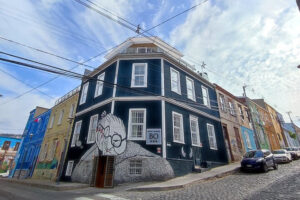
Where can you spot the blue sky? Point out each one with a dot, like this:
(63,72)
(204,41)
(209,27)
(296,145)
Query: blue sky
(254,42)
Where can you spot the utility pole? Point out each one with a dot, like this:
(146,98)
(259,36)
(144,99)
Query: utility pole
(244,89)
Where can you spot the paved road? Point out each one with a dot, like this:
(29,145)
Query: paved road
(283,183)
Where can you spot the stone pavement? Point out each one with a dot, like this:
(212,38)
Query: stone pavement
(46,184)
(188,179)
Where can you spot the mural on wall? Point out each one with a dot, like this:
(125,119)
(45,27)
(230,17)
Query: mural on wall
(111,140)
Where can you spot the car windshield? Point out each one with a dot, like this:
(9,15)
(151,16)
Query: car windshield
(254,154)
(289,149)
(279,152)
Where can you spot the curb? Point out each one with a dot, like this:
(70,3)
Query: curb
(173,187)
(46,186)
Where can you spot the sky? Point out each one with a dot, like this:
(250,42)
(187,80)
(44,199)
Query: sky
(256,43)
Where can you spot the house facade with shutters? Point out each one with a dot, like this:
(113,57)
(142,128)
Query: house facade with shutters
(32,138)
(9,145)
(57,137)
(144,114)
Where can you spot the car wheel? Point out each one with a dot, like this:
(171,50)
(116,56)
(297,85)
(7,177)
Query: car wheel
(265,168)
(275,166)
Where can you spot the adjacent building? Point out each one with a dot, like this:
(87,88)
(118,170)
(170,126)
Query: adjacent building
(9,145)
(144,114)
(232,114)
(31,142)
(57,136)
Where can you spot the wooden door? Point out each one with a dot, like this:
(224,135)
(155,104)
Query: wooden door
(105,171)
(227,142)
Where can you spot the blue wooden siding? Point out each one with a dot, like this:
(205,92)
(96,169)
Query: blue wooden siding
(153,78)
(198,91)
(107,88)
(250,132)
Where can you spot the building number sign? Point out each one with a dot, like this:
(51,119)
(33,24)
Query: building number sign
(153,136)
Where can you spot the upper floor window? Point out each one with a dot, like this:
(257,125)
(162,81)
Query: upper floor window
(190,89)
(137,124)
(52,121)
(92,129)
(6,145)
(231,108)
(72,109)
(212,137)
(139,75)
(205,95)
(195,135)
(241,112)
(175,81)
(222,102)
(99,85)
(76,133)
(178,133)
(84,92)
(17,146)
(60,117)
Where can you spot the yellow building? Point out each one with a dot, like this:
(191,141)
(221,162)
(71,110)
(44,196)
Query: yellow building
(57,137)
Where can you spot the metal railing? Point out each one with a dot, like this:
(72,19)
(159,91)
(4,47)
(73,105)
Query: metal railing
(68,95)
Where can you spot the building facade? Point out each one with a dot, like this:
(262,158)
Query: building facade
(144,115)
(290,134)
(9,145)
(261,138)
(31,142)
(57,136)
(230,111)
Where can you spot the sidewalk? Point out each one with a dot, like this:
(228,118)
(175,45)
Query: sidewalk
(47,184)
(188,179)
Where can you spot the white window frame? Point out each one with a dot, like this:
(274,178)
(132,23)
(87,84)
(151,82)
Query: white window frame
(248,140)
(76,133)
(61,115)
(231,108)
(99,85)
(84,93)
(178,81)
(52,150)
(135,167)
(44,152)
(133,75)
(181,128)
(130,124)
(193,97)
(197,133)
(72,109)
(205,97)
(52,121)
(69,168)
(212,138)
(222,102)
(90,138)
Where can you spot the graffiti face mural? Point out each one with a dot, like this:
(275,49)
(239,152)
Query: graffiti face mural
(111,135)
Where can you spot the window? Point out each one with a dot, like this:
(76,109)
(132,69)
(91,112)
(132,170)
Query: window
(84,92)
(72,109)
(205,95)
(6,145)
(99,85)
(92,129)
(175,81)
(195,136)
(222,102)
(212,137)
(139,75)
(44,152)
(241,112)
(17,146)
(135,166)
(52,150)
(248,139)
(190,89)
(178,134)
(52,121)
(76,133)
(69,168)
(141,50)
(60,117)
(137,124)
(231,108)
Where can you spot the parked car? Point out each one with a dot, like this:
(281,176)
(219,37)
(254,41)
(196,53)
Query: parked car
(292,152)
(282,156)
(297,151)
(258,160)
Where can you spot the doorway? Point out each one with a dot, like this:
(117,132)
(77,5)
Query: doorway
(105,171)
(227,143)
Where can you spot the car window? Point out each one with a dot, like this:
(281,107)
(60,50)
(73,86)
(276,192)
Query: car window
(279,152)
(254,154)
(266,153)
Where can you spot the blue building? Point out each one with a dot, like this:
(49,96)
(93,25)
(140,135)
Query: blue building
(144,114)
(248,138)
(9,145)
(290,135)
(31,142)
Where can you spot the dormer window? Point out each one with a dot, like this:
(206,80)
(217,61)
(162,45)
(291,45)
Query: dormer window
(141,50)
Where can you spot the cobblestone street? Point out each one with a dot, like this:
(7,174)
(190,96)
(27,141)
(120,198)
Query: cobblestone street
(276,184)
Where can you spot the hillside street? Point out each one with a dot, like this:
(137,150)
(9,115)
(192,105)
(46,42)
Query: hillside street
(276,184)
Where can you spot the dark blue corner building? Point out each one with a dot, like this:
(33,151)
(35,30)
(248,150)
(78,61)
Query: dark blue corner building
(142,115)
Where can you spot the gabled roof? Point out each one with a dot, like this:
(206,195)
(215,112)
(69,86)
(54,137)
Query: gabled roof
(144,40)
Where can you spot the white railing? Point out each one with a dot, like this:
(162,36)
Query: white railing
(68,95)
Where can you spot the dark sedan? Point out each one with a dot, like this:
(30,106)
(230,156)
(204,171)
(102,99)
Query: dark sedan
(258,160)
